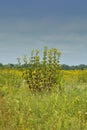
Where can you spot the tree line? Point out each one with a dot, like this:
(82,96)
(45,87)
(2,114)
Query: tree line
(74,67)
(63,66)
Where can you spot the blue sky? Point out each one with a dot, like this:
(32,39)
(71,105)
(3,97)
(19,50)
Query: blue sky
(32,24)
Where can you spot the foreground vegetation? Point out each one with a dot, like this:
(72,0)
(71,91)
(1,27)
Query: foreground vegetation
(22,109)
(42,96)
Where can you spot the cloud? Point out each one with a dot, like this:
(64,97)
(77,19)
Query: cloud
(44,25)
(19,36)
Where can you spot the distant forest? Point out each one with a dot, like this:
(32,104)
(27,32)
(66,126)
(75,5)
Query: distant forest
(63,66)
(74,67)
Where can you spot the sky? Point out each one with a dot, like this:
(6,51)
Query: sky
(32,24)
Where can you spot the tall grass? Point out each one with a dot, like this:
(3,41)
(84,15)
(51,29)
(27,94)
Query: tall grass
(21,109)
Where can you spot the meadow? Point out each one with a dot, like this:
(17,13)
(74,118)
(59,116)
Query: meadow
(23,109)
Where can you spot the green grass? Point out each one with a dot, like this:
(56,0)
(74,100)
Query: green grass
(21,109)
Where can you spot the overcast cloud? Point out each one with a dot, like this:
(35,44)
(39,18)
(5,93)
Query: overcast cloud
(27,25)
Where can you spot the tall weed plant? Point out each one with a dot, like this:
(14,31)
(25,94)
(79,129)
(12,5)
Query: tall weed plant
(43,74)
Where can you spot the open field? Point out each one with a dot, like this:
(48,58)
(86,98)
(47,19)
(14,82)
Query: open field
(21,109)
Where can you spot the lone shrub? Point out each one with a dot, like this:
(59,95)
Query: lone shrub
(43,74)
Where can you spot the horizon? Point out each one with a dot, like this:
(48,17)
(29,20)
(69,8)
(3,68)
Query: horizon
(27,25)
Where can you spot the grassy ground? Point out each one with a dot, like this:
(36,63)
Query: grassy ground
(21,109)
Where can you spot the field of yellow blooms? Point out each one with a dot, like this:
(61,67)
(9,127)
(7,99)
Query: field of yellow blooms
(21,109)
